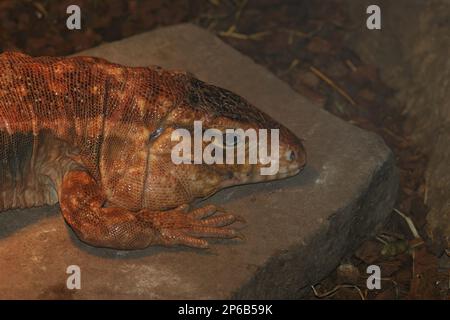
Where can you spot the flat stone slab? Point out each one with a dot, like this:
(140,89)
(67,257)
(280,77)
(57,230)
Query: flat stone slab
(298,229)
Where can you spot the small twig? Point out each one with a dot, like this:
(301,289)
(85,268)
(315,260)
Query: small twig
(295,33)
(238,14)
(351,65)
(410,223)
(40,8)
(417,242)
(392,235)
(293,64)
(379,238)
(298,33)
(302,34)
(333,85)
(398,138)
(215,2)
(231,33)
(232,30)
(333,291)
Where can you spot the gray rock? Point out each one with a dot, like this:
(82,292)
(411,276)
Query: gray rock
(298,229)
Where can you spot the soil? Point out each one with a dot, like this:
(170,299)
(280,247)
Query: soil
(302,43)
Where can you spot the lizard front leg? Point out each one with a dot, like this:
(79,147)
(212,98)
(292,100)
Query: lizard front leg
(82,204)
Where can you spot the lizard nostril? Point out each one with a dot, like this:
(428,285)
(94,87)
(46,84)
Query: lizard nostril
(292,156)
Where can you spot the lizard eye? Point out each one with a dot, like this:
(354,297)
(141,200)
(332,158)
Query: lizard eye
(155,134)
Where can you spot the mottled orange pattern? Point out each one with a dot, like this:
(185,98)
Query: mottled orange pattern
(96,137)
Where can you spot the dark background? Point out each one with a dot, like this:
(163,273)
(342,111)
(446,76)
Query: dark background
(305,44)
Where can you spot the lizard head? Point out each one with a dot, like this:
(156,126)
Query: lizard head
(205,155)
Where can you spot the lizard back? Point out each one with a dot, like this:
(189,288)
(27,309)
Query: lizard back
(53,110)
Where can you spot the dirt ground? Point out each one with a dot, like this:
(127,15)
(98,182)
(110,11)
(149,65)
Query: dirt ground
(301,42)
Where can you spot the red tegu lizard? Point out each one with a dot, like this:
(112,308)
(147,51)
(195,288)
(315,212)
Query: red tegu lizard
(96,137)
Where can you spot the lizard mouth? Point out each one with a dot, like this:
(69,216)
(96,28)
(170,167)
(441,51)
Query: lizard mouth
(291,161)
(286,170)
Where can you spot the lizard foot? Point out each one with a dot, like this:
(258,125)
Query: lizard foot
(179,227)
(82,199)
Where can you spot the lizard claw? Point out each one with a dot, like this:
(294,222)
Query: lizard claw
(179,228)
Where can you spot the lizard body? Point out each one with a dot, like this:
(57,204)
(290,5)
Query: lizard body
(96,137)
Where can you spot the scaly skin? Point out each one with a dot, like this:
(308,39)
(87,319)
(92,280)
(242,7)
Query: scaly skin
(96,137)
